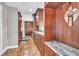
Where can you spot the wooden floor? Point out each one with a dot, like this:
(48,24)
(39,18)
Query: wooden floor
(25,49)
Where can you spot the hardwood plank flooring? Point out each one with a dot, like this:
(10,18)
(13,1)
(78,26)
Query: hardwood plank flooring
(25,49)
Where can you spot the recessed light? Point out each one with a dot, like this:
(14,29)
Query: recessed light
(30,9)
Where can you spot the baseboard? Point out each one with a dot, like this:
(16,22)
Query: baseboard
(8,47)
(3,50)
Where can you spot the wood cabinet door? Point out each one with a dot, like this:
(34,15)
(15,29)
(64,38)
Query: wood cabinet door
(49,23)
(38,39)
(41,45)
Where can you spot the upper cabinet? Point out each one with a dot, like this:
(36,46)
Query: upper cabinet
(38,20)
(49,23)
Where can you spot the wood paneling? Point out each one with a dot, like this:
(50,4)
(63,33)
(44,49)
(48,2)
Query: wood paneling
(19,28)
(49,23)
(55,27)
(34,22)
(64,33)
(54,4)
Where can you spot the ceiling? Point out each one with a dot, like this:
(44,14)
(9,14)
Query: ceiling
(26,7)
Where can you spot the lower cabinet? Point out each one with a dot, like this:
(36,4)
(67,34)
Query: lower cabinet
(44,49)
(38,39)
(48,51)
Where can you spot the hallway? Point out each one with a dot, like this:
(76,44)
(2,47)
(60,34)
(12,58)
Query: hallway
(26,48)
(39,29)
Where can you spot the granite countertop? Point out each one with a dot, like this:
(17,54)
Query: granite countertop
(39,32)
(62,49)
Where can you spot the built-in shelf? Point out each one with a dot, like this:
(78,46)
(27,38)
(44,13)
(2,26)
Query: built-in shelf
(62,49)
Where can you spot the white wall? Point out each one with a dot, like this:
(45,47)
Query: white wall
(26,17)
(8,27)
(4,26)
(23,28)
(0,27)
(12,26)
(29,18)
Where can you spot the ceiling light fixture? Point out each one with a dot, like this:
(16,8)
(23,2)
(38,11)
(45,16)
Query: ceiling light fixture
(30,9)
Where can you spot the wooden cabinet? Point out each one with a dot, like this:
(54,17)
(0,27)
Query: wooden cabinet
(49,23)
(55,27)
(38,26)
(49,27)
(34,22)
(28,27)
(39,16)
(38,19)
(19,28)
(38,39)
(64,33)
(49,52)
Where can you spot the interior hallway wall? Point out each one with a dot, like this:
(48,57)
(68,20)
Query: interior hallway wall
(12,26)
(0,27)
(3,26)
(8,27)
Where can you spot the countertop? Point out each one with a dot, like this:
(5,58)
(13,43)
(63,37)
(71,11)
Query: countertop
(62,49)
(39,32)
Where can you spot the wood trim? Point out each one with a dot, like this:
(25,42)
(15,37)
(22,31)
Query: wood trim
(19,28)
